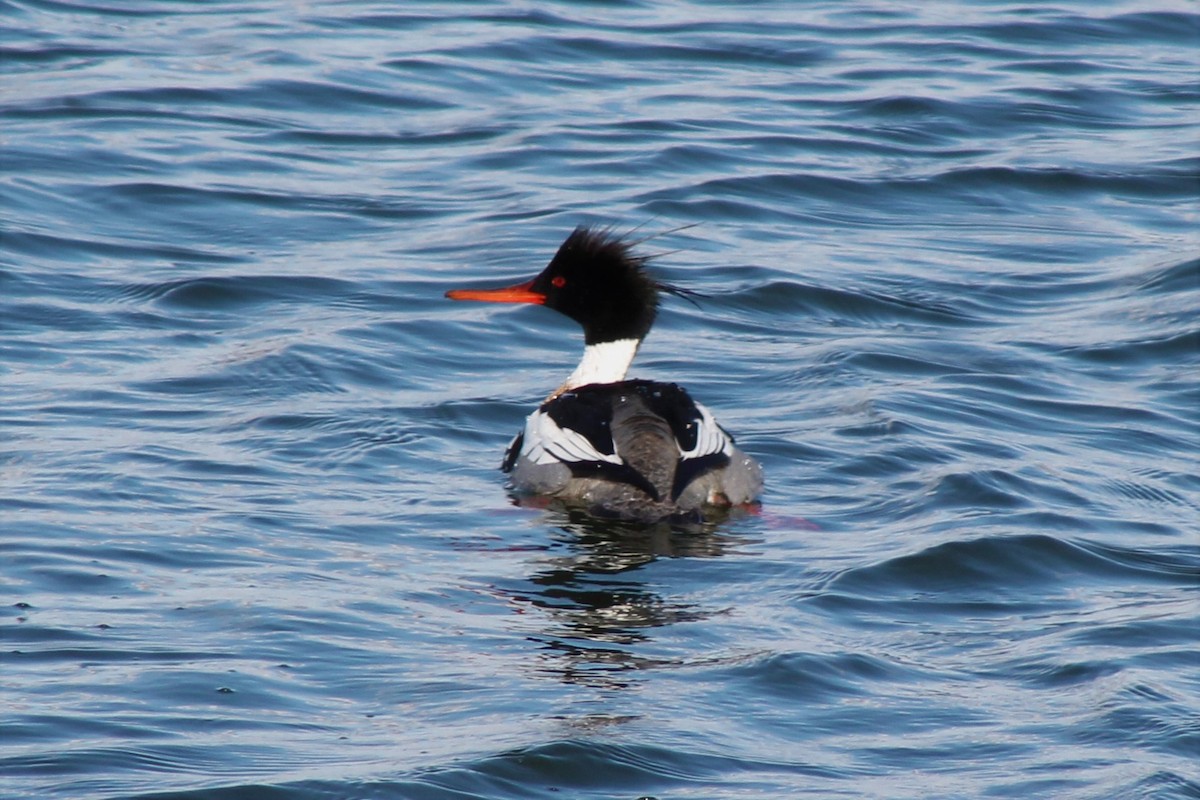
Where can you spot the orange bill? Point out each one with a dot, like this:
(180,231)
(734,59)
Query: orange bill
(510,294)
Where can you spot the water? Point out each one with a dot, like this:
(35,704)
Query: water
(254,541)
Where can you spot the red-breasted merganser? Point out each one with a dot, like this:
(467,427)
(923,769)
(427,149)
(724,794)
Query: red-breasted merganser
(633,449)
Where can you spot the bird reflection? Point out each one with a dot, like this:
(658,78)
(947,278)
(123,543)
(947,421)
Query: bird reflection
(598,610)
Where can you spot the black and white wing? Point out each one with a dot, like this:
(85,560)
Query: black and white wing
(703,446)
(575,430)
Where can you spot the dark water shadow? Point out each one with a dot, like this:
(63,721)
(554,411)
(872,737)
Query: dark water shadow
(598,598)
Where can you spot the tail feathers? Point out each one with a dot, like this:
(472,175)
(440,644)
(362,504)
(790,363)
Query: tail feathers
(646,444)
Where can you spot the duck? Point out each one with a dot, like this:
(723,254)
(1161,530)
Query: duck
(632,449)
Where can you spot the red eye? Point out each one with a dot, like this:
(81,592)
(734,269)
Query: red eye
(558,281)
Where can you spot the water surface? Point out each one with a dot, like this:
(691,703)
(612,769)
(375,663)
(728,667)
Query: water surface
(253,541)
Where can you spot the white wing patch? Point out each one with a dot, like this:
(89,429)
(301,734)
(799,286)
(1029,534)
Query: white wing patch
(546,443)
(709,437)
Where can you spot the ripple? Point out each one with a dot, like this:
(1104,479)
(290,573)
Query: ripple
(861,304)
(254,535)
(1008,565)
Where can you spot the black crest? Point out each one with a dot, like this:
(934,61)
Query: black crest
(597,280)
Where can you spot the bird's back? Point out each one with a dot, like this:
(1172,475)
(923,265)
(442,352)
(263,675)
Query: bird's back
(633,449)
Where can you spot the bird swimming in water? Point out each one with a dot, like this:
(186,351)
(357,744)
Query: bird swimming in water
(631,449)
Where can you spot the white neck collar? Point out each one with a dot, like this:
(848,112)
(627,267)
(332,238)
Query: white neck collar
(603,362)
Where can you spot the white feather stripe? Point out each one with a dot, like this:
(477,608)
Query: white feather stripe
(567,448)
(536,454)
(571,448)
(709,437)
(546,443)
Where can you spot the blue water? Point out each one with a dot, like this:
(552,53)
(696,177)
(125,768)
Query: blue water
(253,541)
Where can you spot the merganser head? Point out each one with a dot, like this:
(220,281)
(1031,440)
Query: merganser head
(596,280)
